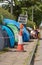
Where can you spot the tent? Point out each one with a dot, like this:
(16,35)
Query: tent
(26,35)
(10,35)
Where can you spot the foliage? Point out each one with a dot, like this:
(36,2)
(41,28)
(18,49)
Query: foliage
(37,5)
(1,19)
(5,14)
(30,24)
(19,8)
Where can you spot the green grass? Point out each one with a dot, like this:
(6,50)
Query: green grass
(4,50)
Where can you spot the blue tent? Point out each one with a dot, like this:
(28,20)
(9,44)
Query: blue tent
(10,34)
(26,35)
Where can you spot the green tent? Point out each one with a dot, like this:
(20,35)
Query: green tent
(15,31)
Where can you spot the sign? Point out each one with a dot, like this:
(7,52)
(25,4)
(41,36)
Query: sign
(23,19)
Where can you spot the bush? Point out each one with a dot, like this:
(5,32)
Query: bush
(1,19)
(30,24)
(5,14)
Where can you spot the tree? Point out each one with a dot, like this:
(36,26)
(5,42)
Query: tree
(37,11)
(26,5)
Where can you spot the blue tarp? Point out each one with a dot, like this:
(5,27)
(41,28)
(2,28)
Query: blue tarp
(26,35)
(10,34)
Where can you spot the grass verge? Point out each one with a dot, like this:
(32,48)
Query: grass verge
(4,50)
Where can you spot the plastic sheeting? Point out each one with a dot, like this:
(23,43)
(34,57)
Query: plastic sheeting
(15,31)
(26,35)
(10,34)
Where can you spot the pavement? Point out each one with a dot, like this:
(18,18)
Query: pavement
(38,55)
(12,57)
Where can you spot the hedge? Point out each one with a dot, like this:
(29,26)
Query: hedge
(5,14)
(30,24)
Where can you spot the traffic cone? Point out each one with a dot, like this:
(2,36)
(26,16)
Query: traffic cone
(21,26)
(20,42)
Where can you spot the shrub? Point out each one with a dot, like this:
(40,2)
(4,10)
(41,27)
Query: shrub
(30,24)
(5,14)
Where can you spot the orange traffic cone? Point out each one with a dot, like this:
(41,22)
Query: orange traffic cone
(20,42)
